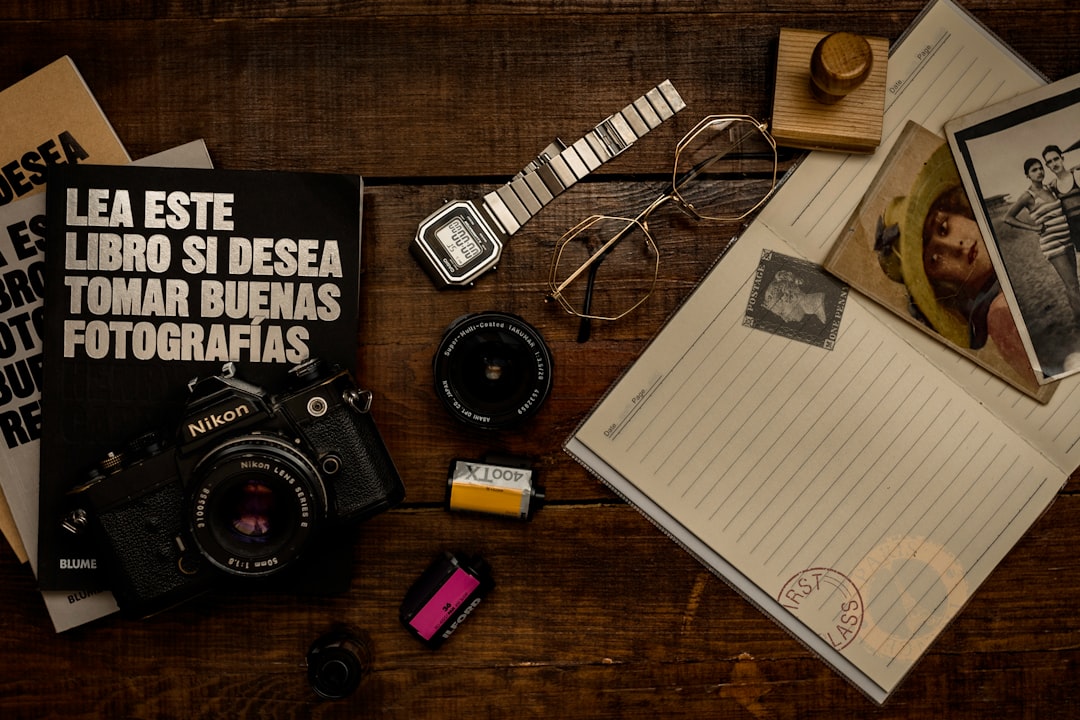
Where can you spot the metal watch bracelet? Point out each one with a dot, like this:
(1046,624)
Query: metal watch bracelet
(560,166)
(463,239)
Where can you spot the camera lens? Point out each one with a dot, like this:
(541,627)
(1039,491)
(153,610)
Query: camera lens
(255,502)
(492,370)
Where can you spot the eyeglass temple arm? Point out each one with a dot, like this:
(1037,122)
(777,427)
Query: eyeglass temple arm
(593,260)
(585,326)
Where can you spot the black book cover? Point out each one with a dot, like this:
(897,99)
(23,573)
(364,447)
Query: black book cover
(155,276)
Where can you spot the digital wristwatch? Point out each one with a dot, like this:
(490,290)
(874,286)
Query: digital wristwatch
(462,240)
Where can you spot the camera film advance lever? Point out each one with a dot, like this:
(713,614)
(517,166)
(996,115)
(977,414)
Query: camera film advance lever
(462,240)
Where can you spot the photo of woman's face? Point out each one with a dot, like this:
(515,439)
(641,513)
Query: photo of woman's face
(954,254)
(1036,172)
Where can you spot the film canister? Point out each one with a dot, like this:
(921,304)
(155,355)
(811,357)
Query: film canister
(443,596)
(337,662)
(495,485)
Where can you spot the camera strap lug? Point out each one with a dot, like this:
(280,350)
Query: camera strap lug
(358,400)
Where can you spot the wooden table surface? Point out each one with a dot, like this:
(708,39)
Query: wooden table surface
(596,613)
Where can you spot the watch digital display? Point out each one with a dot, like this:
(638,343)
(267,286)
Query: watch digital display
(464,239)
(459,241)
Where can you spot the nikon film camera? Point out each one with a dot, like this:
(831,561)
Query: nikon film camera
(243,488)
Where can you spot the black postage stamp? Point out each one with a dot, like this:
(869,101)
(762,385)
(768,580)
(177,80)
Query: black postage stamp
(796,299)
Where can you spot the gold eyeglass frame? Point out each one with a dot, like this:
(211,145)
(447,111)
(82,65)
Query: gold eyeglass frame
(556,287)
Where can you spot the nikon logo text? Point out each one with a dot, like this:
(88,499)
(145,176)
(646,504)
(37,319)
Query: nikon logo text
(215,420)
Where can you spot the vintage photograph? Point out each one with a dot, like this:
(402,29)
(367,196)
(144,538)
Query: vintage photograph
(913,246)
(1020,164)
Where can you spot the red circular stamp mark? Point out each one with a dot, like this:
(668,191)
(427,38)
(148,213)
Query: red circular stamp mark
(827,602)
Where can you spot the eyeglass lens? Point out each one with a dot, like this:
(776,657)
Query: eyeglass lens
(712,157)
(621,274)
(619,279)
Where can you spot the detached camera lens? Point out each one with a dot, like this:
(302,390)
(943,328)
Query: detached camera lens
(492,370)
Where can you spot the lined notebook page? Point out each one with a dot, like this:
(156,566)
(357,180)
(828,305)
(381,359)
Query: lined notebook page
(853,491)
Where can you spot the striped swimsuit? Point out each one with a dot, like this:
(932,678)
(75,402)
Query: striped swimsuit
(1054,240)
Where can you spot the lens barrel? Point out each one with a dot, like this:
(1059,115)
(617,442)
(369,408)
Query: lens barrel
(337,662)
(492,370)
(255,504)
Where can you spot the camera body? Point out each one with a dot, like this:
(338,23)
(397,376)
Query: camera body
(242,489)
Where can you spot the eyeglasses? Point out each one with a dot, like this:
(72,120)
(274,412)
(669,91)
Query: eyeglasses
(606,266)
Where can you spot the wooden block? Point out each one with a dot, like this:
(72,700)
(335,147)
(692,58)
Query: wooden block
(852,124)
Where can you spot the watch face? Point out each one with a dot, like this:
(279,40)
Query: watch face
(460,241)
(455,245)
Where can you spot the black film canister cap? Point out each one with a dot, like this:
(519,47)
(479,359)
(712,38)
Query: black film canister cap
(337,662)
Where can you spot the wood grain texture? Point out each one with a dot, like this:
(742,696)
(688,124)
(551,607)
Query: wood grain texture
(849,122)
(596,613)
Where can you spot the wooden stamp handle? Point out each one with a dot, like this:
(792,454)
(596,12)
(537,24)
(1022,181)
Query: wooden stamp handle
(841,61)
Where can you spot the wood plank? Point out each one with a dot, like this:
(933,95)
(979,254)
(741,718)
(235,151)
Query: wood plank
(340,94)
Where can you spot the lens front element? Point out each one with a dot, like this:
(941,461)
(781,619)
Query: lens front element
(255,502)
(492,370)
